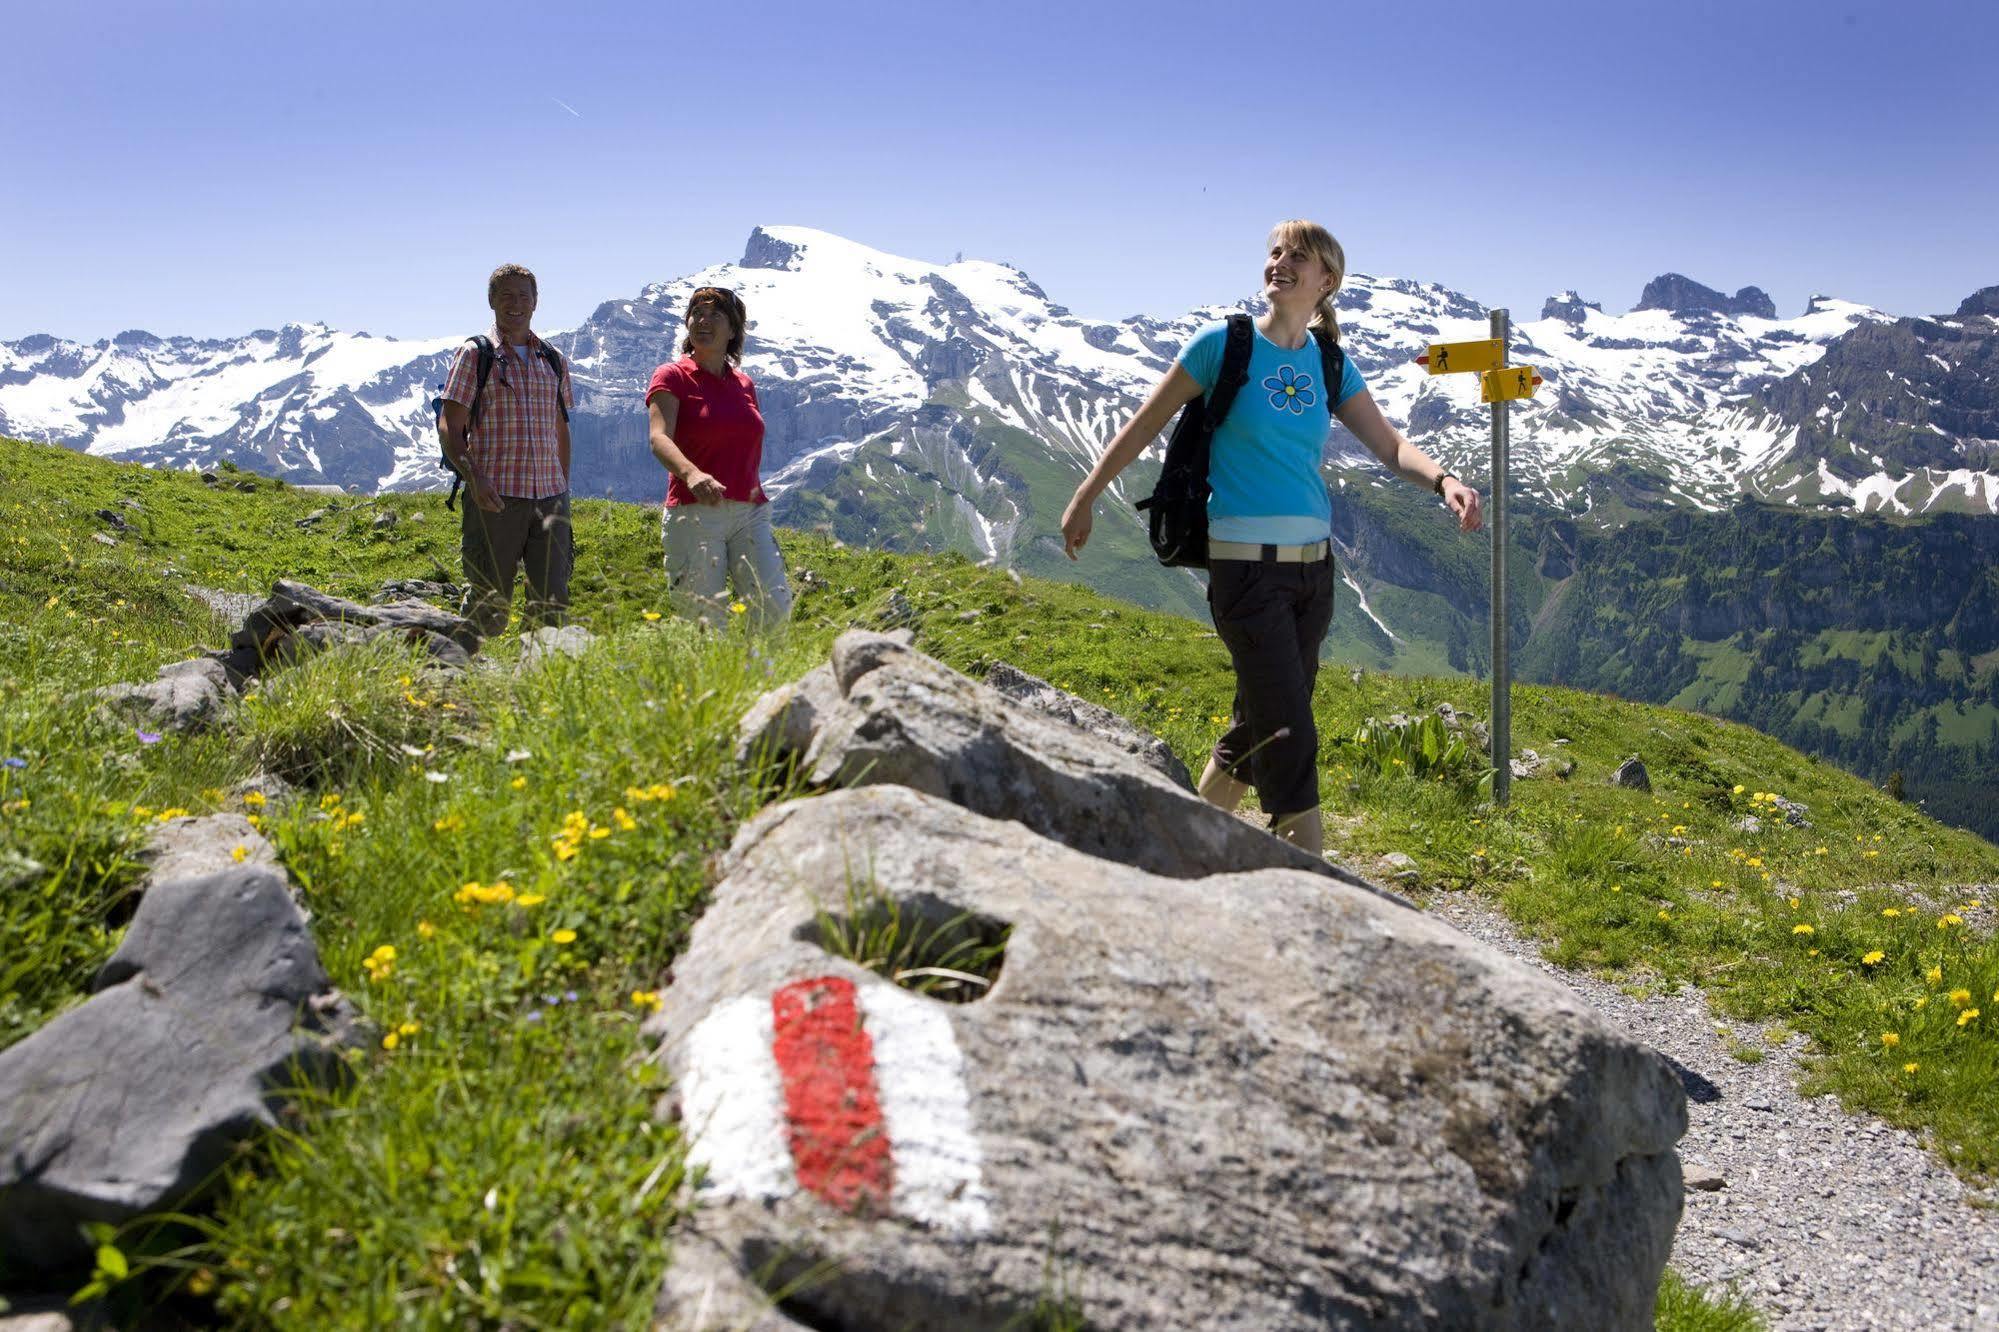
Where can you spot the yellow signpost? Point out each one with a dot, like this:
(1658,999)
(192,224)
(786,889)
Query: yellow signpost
(1453,358)
(1507,382)
(1499,384)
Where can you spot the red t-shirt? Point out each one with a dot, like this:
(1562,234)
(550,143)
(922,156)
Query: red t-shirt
(720,428)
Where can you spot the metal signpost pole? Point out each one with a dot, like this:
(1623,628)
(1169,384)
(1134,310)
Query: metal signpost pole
(1502,678)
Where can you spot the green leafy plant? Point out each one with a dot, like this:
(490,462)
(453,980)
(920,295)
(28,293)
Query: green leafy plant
(1424,748)
(955,957)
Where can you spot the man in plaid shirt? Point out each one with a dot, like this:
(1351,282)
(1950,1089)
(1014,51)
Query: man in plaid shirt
(516,463)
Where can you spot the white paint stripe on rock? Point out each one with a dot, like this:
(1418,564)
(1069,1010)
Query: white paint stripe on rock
(731,1105)
(920,1075)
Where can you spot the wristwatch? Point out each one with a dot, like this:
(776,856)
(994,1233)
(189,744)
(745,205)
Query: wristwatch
(1439,487)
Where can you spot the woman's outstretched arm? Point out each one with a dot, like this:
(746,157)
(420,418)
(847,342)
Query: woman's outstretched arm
(1362,415)
(1167,397)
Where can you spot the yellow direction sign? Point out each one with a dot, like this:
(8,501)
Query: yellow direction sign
(1451,358)
(1515,381)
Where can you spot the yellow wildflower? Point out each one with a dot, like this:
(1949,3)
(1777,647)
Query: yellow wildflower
(519,783)
(253,800)
(624,820)
(1966,1016)
(737,608)
(381,963)
(531,899)
(1738,788)
(239,853)
(390,1040)
(564,936)
(1910,1068)
(449,823)
(1872,959)
(1802,929)
(598,832)
(1959,998)
(1890,912)
(1948,921)
(1934,975)
(649,616)
(646,999)
(1891,1039)
(1665,915)
(425,930)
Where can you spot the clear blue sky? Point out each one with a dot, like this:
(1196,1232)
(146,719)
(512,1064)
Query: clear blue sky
(210,168)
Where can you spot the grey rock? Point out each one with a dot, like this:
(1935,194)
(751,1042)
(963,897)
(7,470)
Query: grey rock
(780,725)
(1702,1178)
(568,640)
(1750,824)
(384,520)
(187,696)
(1262,1100)
(896,612)
(315,516)
(421,589)
(1795,813)
(1398,860)
(104,538)
(1533,764)
(1631,774)
(1098,720)
(194,847)
(909,720)
(213,1005)
(292,606)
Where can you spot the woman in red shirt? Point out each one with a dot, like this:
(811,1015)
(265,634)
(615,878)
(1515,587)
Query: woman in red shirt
(708,432)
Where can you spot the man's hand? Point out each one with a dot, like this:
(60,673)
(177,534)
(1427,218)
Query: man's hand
(1076,520)
(1463,501)
(705,488)
(483,493)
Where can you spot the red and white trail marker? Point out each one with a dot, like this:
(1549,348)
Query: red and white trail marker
(853,1093)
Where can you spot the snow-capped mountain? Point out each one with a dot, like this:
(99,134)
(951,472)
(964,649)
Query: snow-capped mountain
(945,398)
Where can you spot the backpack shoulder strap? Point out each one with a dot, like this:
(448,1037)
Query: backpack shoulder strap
(485,346)
(1332,365)
(1235,368)
(554,359)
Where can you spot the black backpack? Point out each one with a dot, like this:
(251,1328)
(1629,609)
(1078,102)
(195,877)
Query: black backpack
(1179,503)
(485,346)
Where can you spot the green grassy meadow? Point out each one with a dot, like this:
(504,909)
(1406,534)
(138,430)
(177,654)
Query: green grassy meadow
(501,866)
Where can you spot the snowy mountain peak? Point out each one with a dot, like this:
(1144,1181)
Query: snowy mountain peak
(946,376)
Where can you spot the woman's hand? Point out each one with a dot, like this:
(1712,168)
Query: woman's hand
(1463,501)
(705,488)
(1076,520)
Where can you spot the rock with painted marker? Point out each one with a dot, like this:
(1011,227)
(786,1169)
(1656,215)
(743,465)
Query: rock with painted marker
(1253,1101)
(909,720)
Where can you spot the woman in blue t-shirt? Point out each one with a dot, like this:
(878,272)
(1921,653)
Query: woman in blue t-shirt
(1270,567)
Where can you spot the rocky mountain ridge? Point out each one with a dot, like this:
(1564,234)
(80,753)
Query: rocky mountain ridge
(1690,399)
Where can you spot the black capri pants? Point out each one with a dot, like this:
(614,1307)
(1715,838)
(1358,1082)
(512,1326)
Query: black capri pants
(1272,618)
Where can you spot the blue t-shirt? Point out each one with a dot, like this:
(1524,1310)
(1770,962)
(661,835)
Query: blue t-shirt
(1264,464)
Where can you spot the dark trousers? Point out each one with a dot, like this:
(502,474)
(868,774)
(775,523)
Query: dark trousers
(1272,618)
(529,534)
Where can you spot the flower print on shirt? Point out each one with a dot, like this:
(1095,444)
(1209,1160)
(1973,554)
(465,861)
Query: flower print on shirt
(1290,390)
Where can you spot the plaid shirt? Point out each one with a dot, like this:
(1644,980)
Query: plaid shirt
(514,440)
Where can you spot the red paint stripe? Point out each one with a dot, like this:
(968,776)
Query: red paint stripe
(832,1108)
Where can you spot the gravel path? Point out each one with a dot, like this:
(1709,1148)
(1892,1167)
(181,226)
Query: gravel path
(1825,1220)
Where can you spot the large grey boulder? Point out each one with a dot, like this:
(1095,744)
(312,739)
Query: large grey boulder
(1095,718)
(780,725)
(213,1006)
(907,719)
(1252,1101)
(187,696)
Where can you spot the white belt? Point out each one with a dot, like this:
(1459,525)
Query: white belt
(1249,550)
